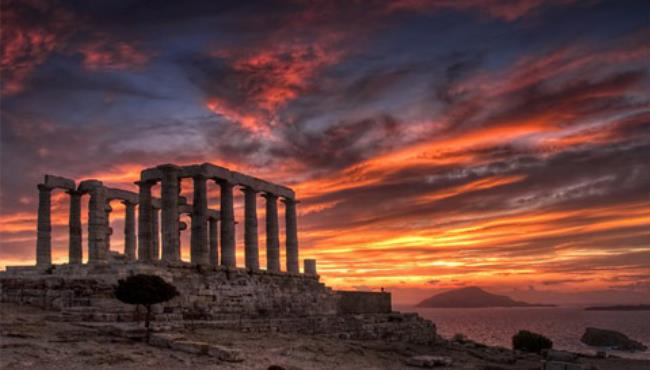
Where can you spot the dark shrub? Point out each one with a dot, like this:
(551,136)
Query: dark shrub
(530,342)
(146,290)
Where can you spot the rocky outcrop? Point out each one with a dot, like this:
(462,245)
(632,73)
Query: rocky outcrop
(472,297)
(610,338)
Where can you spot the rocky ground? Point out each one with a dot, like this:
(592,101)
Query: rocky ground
(30,339)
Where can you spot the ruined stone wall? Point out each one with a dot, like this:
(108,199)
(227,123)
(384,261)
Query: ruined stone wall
(220,298)
(213,294)
(353,302)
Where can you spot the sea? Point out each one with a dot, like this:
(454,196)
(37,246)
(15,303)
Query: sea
(563,325)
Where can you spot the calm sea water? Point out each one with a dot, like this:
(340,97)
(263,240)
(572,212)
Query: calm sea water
(563,325)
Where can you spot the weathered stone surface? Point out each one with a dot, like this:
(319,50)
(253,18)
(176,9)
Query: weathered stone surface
(199,253)
(58,182)
(272,233)
(251,247)
(559,365)
(310,267)
(429,361)
(169,189)
(129,231)
(75,252)
(291,228)
(610,338)
(353,302)
(44,227)
(228,251)
(554,355)
(189,346)
(224,353)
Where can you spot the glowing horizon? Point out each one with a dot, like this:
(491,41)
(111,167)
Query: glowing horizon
(432,144)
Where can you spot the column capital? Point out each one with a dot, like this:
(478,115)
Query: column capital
(270,196)
(145,183)
(247,189)
(74,192)
(224,182)
(290,200)
(43,187)
(128,203)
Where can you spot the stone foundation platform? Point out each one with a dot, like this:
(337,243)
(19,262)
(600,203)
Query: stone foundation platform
(219,297)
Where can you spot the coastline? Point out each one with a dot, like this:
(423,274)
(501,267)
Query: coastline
(30,339)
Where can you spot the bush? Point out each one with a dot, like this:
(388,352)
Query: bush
(146,290)
(530,342)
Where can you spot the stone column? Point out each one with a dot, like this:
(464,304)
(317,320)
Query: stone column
(44,227)
(155,233)
(97,229)
(272,233)
(310,267)
(109,229)
(251,250)
(129,231)
(75,251)
(169,203)
(144,221)
(228,252)
(199,253)
(291,228)
(214,241)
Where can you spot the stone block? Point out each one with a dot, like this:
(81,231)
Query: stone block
(560,365)
(189,346)
(165,339)
(224,353)
(429,361)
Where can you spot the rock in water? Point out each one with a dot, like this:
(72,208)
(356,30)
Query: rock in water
(610,338)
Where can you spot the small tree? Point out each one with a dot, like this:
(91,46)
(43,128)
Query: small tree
(530,342)
(146,290)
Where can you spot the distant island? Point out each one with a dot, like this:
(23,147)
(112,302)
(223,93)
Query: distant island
(638,307)
(473,297)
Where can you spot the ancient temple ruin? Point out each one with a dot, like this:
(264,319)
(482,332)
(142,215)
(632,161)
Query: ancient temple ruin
(213,288)
(212,231)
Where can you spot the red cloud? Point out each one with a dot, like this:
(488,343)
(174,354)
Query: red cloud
(103,53)
(26,45)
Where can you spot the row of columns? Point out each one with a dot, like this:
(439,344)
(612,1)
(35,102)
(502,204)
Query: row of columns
(203,239)
(98,227)
(205,236)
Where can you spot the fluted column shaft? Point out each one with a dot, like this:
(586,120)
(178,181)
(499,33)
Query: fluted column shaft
(199,253)
(251,246)
(109,229)
(170,187)
(228,252)
(44,227)
(291,228)
(214,241)
(129,231)
(75,251)
(97,226)
(155,233)
(272,233)
(144,221)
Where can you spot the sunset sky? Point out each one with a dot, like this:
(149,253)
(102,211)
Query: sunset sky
(432,144)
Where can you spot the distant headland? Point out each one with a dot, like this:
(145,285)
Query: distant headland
(473,297)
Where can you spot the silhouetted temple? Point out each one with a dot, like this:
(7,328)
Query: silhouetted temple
(159,219)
